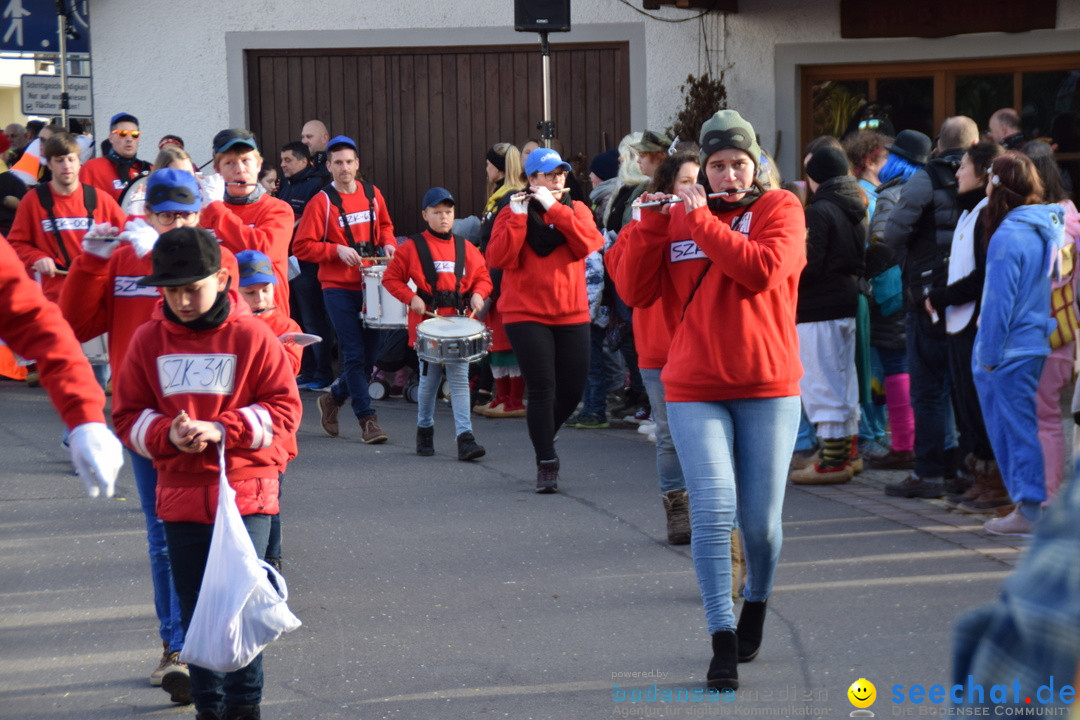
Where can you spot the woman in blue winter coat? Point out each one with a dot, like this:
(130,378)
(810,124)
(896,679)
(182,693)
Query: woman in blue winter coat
(1014,330)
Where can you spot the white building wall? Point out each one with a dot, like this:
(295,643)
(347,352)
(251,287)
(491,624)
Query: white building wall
(184,73)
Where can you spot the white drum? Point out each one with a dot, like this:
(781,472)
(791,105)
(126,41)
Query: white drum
(96,350)
(452,339)
(381,309)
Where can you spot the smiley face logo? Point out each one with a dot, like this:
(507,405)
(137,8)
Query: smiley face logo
(862,693)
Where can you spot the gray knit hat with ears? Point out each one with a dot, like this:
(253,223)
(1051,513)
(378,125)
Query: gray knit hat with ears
(727,129)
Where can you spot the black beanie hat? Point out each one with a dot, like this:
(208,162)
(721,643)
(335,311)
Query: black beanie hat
(827,163)
(605,165)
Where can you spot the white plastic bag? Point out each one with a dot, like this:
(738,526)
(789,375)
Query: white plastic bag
(241,607)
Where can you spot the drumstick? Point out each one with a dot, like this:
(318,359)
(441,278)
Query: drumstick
(518,197)
(434,315)
(668,201)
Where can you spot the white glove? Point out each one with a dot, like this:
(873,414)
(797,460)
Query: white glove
(100,240)
(141,236)
(544,197)
(520,207)
(213,188)
(97,456)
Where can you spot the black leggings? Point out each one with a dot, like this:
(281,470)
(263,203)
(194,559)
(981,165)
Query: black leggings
(554,361)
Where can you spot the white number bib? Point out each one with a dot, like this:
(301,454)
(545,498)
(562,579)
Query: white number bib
(212,374)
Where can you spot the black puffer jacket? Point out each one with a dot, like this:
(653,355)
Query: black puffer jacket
(836,228)
(888,333)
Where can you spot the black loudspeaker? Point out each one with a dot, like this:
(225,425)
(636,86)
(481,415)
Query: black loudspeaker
(542,15)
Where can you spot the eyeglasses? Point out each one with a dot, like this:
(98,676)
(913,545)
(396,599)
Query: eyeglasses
(168,217)
(554,174)
(125,133)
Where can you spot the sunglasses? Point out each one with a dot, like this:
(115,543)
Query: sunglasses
(125,133)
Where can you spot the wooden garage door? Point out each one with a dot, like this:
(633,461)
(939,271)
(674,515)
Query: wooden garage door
(425,117)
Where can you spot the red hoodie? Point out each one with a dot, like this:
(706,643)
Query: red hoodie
(406,266)
(736,338)
(321,230)
(35,329)
(265,225)
(551,289)
(235,374)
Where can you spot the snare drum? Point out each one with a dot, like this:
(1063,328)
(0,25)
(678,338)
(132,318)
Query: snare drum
(452,339)
(381,309)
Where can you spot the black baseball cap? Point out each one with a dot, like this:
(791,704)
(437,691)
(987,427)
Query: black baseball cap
(183,256)
(231,137)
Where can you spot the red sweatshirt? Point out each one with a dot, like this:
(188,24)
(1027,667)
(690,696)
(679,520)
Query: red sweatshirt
(32,233)
(405,266)
(280,324)
(234,374)
(103,296)
(548,290)
(321,230)
(34,328)
(101,173)
(737,337)
(265,225)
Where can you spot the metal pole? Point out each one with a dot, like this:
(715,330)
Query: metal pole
(547,127)
(62,30)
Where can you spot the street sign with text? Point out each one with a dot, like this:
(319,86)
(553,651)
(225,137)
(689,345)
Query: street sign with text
(41,95)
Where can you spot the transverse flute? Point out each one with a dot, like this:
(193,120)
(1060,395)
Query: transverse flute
(668,201)
(518,197)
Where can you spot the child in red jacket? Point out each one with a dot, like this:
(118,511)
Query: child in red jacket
(455,288)
(205,371)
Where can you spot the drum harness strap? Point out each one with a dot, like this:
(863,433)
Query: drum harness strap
(440,298)
(45,197)
(365,248)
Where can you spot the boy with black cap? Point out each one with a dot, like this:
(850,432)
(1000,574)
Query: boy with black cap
(115,170)
(204,371)
(243,214)
(449,274)
(101,294)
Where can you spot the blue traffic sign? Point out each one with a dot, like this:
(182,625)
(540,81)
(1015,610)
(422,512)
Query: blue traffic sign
(31,26)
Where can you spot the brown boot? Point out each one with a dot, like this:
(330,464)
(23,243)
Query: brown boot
(994,494)
(328,413)
(371,433)
(677,509)
(978,487)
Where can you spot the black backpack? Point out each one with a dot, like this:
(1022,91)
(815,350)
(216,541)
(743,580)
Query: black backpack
(44,193)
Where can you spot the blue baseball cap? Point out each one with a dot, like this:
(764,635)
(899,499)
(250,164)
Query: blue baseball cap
(544,160)
(436,196)
(169,189)
(338,140)
(123,117)
(255,268)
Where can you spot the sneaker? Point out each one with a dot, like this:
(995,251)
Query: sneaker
(591,422)
(873,449)
(914,486)
(315,386)
(1014,525)
(328,413)
(467,447)
(821,474)
(177,682)
(163,666)
(370,431)
(643,415)
(646,428)
(894,460)
(547,476)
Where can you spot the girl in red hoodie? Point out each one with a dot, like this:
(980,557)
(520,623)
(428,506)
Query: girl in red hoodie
(732,372)
(541,245)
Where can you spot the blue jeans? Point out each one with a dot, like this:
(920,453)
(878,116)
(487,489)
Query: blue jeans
(928,365)
(595,400)
(873,421)
(189,545)
(735,455)
(358,346)
(806,439)
(273,543)
(166,603)
(668,470)
(457,376)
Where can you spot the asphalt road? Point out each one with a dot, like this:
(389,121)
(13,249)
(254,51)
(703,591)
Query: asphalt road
(431,588)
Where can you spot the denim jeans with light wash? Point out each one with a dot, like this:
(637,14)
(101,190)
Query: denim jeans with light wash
(873,420)
(358,346)
(189,546)
(166,603)
(457,376)
(735,456)
(668,470)
(806,439)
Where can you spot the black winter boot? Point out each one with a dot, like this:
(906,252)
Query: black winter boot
(547,476)
(724,669)
(208,715)
(467,448)
(242,712)
(425,441)
(751,621)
